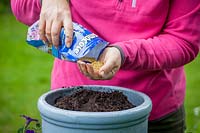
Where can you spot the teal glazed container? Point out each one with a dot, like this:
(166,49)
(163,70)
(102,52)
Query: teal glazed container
(55,120)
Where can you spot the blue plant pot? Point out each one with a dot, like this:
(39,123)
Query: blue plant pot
(55,120)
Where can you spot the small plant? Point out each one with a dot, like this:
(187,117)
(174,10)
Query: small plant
(35,127)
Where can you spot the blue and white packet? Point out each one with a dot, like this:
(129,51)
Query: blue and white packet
(84,44)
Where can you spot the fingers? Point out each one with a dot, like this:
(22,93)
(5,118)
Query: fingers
(48,31)
(82,67)
(42,26)
(92,73)
(88,71)
(107,67)
(108,75)
(68,26)
(111,58)
(107,71)
(112,62)
(55,32)
(55,15)
(45,30)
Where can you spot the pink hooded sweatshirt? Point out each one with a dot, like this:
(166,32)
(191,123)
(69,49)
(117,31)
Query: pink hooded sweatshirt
(156,37)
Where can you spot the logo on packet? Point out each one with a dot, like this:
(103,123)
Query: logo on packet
(83,42)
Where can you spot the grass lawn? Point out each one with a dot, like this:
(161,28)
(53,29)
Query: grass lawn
(25,75)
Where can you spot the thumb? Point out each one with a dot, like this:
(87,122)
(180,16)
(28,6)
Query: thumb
(106,68)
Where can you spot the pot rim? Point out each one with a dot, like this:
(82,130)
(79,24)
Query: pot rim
(67,116)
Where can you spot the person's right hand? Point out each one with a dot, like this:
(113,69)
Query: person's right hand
(54,15)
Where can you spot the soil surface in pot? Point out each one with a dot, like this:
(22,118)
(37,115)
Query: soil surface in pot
(94,101)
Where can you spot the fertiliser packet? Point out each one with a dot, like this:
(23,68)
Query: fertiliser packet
(85,44)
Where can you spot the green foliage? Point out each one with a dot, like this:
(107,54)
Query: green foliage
(192,102)
(24,75)
(4,6)
(5,2)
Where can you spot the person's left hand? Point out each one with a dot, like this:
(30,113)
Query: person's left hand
(111,57)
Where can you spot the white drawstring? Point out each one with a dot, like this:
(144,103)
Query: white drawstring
(133,3)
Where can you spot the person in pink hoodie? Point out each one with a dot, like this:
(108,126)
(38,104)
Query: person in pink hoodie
(150,42)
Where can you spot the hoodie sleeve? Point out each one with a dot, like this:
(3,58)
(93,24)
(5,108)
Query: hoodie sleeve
(26,11)
(176,45)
